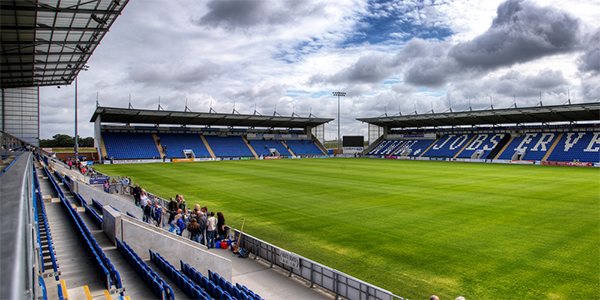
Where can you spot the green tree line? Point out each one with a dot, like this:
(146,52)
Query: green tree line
(64,140)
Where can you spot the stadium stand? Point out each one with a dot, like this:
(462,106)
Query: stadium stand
(529,146)
(120,145)
(448,145)
(194,291)
(415,147)
(177,142)
(577,146)
(97,206)
(216,286)
(162,290)
(108,274)
(228,146)
(485,142)
(386,147)
(303,147)
(262,147)
(43,229)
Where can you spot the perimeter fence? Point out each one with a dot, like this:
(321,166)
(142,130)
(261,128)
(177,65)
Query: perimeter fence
(332,280)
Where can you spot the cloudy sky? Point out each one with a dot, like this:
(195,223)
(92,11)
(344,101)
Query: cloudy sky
(288,56)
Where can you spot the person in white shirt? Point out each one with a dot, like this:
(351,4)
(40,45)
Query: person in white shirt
(211,227)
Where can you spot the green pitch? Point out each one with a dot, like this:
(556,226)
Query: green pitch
(416,228)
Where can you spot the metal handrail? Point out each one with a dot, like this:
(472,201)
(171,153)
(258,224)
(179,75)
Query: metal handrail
(332,280)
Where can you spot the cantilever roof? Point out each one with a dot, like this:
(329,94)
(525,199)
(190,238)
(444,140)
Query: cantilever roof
(543,114)
(142,116)
(47,42)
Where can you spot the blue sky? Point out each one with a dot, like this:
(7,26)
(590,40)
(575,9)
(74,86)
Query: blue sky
(290,55)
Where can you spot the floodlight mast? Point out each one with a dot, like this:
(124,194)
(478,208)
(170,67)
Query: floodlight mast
(339,94)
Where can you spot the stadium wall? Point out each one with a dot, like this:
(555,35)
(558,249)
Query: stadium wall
(141,237)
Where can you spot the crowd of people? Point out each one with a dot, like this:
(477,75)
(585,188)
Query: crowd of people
(202,226)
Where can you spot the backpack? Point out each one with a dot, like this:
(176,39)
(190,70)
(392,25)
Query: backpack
(148,210)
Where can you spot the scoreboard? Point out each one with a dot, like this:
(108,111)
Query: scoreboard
(353,141)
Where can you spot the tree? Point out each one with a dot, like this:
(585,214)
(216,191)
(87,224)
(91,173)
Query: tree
(64,140)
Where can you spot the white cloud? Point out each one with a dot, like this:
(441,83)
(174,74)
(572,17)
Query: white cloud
(257,53)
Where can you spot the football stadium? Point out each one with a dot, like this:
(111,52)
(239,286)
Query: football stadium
(483,204)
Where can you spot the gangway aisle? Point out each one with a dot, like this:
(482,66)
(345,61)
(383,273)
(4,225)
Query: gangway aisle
(76,267)
(75,264)
(269,283)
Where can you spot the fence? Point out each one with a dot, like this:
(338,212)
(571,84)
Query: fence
(334,281)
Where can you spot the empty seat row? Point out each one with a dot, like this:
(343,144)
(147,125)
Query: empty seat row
(215,289)
(177,142)
(108,274)
(130,145)
(262,147)
(449,145)
(226,146)
(106,269)
(159,287)
(98,206)
(43,226)
(300,147)
(194,291)
(386,147)
(580,146)
(240,292)
(93,215)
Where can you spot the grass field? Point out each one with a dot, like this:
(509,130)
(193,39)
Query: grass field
(416,228)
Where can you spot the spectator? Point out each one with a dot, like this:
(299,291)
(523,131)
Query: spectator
(194,230)
(137,192)
(149,213)
(174,228)
(434,297)
(221,226)
(172,208)
(180,221)
(158,214)
(106,186)
(202,219)
(180,202)
(143,200)
(211,226)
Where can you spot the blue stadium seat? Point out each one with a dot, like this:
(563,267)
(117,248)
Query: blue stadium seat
(228,146)
(577,146)
(177,142)
(121,145)
(262,147)
(484,141)
(448,145)
(534,144)
(300,147)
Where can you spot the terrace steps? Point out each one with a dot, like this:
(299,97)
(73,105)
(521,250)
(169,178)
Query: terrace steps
(289,149)
(430,147)
(212,154)
(251,149)
(556,141)
(158,146)
(465,146)
(505,146)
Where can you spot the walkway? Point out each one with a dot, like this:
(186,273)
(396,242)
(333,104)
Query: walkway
(269,283)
